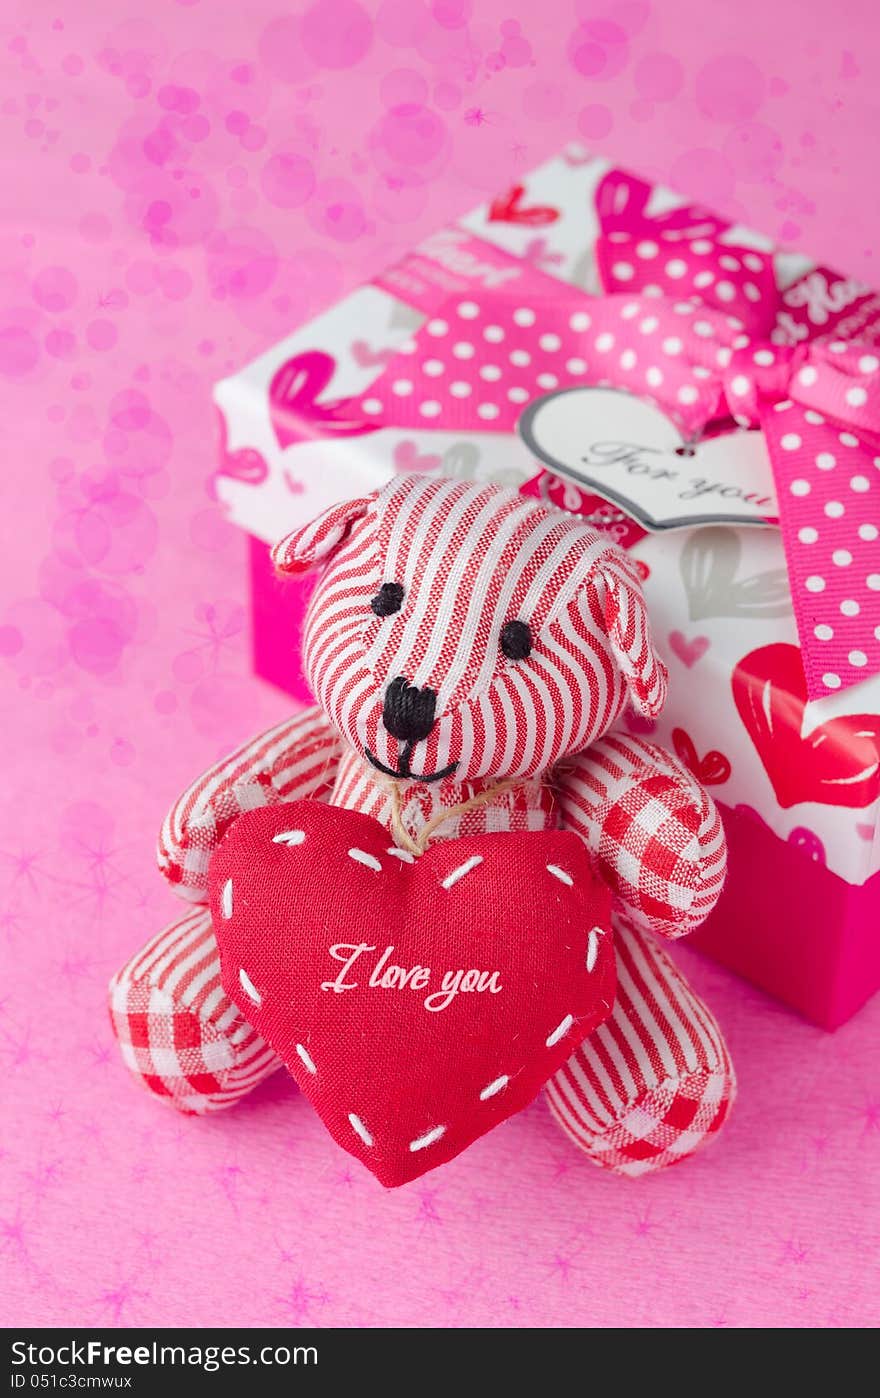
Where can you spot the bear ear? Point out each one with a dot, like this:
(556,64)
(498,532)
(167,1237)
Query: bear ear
(629,635)
(311,545)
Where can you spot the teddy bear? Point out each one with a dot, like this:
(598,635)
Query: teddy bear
(472,652)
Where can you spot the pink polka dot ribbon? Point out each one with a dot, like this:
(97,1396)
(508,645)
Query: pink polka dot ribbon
(677,254)
(476,363)
(823,440)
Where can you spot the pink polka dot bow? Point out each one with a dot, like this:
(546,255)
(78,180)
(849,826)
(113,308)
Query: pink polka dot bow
(818,405)
(685,327)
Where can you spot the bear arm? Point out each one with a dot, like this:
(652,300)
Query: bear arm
(655,835)
(295,761)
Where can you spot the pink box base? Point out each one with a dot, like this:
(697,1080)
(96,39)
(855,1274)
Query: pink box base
(785,923)
(277,612)
(792,927)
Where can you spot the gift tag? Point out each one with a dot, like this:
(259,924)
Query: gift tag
(628,451)
(418,1002)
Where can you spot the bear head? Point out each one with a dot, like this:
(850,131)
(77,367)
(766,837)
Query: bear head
(462,631)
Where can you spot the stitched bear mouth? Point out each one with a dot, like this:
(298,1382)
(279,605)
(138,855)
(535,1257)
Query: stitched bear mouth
(404,770)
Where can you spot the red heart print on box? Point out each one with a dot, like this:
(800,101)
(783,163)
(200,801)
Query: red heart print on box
(417,1002)
(245,463)
(296,410)
(367,358)
(837,763)
(688,649)
(408,458)
(712,769)
(509,208)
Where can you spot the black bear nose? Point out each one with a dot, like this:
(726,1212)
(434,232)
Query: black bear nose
(408,712)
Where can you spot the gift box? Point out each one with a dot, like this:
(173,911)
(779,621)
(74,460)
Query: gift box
(713,404)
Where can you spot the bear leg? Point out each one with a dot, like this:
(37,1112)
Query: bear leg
(178,1031)
(653,1083)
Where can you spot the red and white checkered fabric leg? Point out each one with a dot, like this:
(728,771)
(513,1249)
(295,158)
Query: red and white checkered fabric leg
(655,834)
(177,1030)
(292,762)
(652,1084)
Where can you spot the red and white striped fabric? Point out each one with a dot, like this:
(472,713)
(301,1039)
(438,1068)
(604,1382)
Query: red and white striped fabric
(655,1081)
(291,762)
(178,1031)
(654,831)
(306,547)
(629,632)
(469,558)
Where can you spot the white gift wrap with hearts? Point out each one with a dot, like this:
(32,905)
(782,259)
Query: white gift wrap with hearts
(714,597)
(361,332)
(718,591)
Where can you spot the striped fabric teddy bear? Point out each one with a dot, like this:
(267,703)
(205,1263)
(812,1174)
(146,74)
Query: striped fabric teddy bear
(445,885)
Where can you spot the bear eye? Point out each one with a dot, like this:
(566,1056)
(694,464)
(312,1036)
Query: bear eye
(516,640)
(388,599)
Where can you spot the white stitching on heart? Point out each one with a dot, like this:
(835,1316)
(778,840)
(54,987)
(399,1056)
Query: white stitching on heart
(428,1139)
(358,1126)
(560,1031)
(593,946)
(289,837)
(248,987)
(560,874)
(491,1090)
(494,1087)
(462,869)
(403,854)
(226,899)
(368,860)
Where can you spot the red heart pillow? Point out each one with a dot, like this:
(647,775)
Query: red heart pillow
(417,1002)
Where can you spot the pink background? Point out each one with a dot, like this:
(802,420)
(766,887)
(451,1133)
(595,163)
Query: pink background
(181,183)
